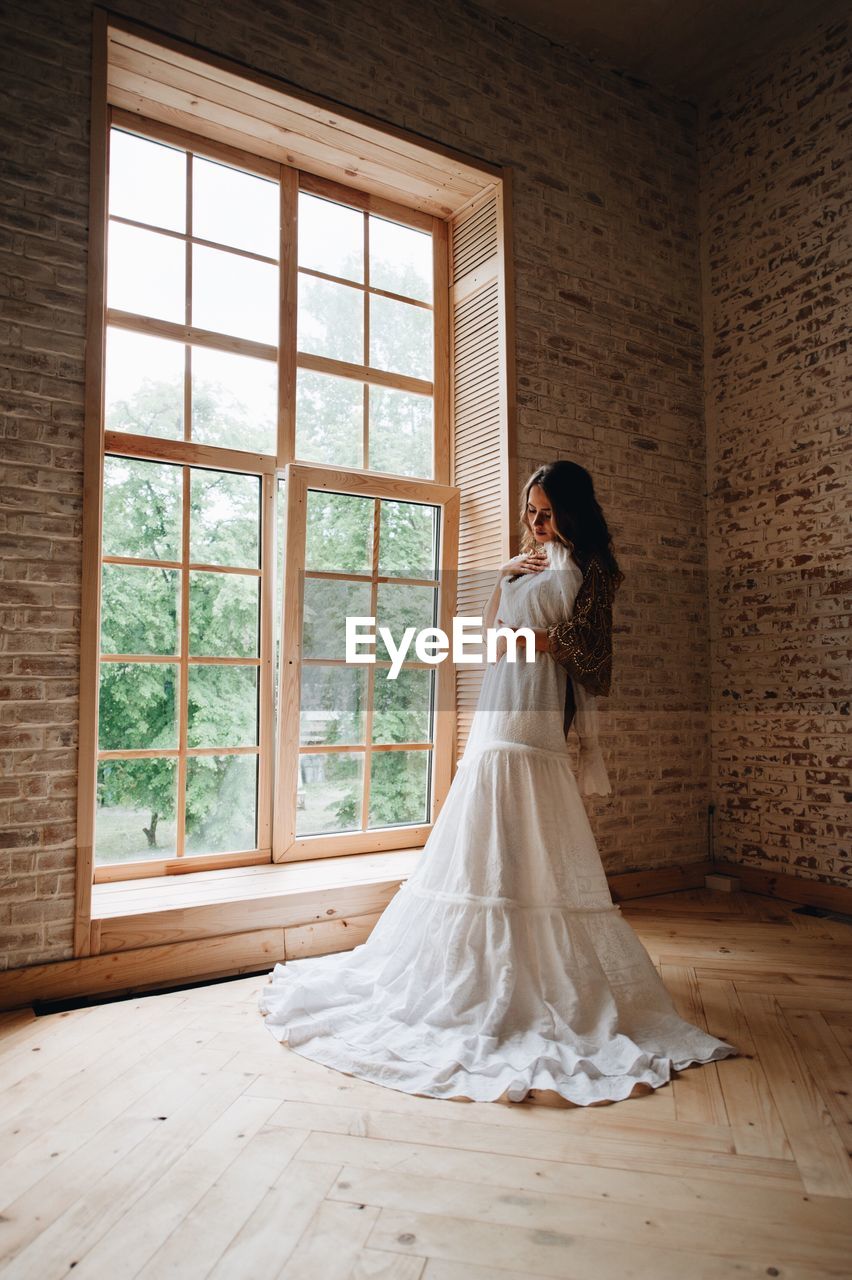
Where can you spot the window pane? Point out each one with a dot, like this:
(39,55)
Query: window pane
(146,273)
(144,384)
(330,792)
(400,259)
(399,606)
(400,432)
(234,208)
(138,706)
(331,238)
(329,419)
(407,540)
(234,295)
(332,705)
(224,519)
(147,181)
(327,605)
(331,320)
(221,804)
(402,707)
(222,615)
(280,515)
(339,532)
(399,787)
(222,706)
(234,400)
(139,609)
(135,811)
(400,337)
(142,509)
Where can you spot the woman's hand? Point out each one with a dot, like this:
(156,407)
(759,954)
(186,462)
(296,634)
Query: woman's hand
(527,562)
(530,562)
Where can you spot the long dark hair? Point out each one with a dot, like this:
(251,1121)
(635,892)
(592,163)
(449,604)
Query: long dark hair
(576,515)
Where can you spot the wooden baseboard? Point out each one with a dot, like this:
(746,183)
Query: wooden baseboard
(150,968)
(129,971)
(644,884)
(779,884)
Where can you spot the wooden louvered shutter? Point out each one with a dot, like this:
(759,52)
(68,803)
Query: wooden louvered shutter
(483,462)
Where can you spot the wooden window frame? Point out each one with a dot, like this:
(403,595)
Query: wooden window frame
(186,454)
(120,444)
(435,183)
(299,479)
(437,387)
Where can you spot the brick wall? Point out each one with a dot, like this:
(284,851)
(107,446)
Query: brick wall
(43,232)
(775,179)
(609,364)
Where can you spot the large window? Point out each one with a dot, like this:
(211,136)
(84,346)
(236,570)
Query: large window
(270,338)
(299,336)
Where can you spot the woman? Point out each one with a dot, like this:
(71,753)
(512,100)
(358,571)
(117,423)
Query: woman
(502,964)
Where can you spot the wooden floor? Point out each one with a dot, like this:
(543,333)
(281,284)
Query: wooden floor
(170,1135)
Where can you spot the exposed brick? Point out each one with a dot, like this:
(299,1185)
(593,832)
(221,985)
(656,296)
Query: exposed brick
(776,177)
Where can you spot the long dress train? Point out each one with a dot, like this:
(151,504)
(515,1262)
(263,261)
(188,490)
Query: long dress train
(502,964)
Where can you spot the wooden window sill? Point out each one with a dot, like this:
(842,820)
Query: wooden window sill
(128,914)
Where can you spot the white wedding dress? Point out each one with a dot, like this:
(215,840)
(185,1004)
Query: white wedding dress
(502,964)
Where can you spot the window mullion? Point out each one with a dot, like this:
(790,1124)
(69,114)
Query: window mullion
(288,286)
(265,675)
(183,669)
(183,665)
(290,667)
(371,670)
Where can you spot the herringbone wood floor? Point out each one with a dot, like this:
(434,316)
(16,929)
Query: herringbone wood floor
(172,1136)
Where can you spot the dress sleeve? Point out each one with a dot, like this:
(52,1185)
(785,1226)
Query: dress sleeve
(593,777)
